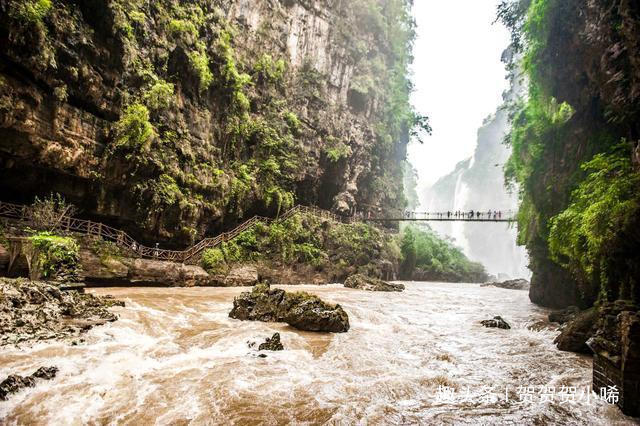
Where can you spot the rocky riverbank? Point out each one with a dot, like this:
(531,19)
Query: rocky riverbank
(32,311)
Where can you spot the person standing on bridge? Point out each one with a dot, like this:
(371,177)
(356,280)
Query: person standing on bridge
(499,214)
(478,214)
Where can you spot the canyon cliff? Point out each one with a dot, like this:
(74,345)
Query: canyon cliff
(575,143)
(175,119)
(575,140)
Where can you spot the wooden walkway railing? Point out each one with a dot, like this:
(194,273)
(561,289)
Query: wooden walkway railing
(192,254)
(124,241)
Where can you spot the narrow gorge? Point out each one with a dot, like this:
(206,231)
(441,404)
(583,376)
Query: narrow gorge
(212,212)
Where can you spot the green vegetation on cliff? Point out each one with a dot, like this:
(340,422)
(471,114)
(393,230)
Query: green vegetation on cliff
(590,236)
(427,257)
(574,140)
(188,116)
(57,256)
(337,250)
(334,250)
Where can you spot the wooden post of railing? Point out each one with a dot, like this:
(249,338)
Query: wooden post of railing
(100,229)
(88,227)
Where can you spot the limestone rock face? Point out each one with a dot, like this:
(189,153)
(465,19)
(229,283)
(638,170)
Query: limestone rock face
(106,268)
(4,258)
(362,282)
(300,310)
(553,287)
(123,270)
(564,315)
(577,331)
(58,126)
(153,271)
(616,348)
(238,276)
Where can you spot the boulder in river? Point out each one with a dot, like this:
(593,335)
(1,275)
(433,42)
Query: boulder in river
(363,282)
(517,284)
(272,344)
(16,383)
(300,310)
(577,331)
(496,322)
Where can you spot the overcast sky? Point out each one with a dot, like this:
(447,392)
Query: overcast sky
(458,79)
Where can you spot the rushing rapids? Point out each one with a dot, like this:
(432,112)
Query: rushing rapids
(176,357)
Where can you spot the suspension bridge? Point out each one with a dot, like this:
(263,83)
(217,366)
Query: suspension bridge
(450,216)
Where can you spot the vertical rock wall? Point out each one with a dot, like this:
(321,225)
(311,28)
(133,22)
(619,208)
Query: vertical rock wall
(175,119)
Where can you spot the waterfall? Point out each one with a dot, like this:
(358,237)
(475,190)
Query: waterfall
(459,203)
(478,184)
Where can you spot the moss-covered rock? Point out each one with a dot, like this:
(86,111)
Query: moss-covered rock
(300,310)
(56,257)
(184,116)
(271,344)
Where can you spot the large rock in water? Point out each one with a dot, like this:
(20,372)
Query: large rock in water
(16,383)
(300,310)
(364,282)
(272,344)
(578,330)
(496,322)
(517,284)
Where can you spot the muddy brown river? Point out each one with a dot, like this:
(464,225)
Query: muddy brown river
(417,357)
